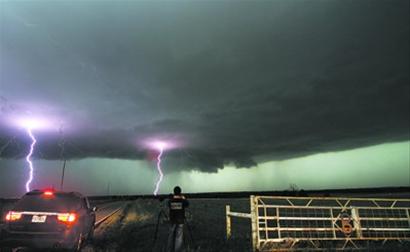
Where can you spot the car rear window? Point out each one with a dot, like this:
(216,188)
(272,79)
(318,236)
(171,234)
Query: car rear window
(41,202)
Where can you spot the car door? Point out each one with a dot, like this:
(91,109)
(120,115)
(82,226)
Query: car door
(86,215)
(90,214)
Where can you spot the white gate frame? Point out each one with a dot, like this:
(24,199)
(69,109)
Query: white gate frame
(351,234)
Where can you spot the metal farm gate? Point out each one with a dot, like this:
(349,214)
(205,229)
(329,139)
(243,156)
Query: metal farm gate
(317,223)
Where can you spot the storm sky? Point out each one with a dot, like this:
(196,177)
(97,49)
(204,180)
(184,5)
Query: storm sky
(240,86)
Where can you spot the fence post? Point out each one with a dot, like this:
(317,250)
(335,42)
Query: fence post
(228,222)
(356,222)
(254,223)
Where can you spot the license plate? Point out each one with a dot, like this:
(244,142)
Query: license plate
(39,219)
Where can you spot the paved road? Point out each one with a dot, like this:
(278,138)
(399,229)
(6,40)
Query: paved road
(104,210)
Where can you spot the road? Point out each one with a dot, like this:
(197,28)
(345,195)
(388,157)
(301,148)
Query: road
(136,226)
(105,210)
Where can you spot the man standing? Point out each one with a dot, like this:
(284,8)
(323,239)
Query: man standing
(176,204)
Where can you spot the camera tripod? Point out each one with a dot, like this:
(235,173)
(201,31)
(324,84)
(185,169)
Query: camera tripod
(188,240)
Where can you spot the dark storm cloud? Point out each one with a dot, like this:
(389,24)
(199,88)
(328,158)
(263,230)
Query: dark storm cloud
(235,82)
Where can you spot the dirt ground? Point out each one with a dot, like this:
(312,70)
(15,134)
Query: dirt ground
(134,228)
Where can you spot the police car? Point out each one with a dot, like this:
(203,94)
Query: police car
(49,219)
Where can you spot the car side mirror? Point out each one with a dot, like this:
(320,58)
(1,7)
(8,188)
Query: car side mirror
(95,209)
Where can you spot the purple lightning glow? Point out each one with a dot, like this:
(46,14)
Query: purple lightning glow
(30,124)
(28,158)
(161,175)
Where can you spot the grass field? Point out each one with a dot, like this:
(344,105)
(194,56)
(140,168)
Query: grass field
(135,227)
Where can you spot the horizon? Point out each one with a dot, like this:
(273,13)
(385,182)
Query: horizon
(332,168)
(139,96)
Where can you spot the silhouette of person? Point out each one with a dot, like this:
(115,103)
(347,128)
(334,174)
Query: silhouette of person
(176,204)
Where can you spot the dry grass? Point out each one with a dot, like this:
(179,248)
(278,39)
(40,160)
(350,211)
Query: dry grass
(134,228)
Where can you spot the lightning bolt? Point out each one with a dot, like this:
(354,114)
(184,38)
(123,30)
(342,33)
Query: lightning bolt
(28,158)
(161,175)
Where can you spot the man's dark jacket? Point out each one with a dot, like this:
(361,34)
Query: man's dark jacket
(177,205)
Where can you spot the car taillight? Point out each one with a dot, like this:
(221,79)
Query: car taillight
(48,193)
(13,216)
(67,217)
